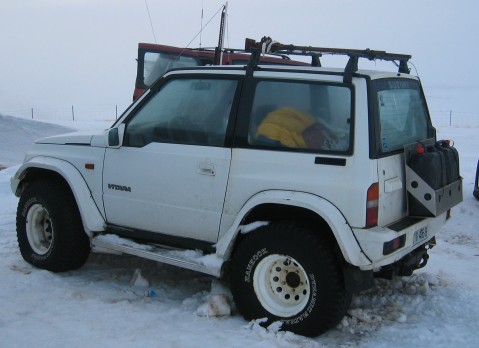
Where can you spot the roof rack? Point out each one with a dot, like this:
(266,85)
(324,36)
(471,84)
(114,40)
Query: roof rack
(216,51)
(268,46)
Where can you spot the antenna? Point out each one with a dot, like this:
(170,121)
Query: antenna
(199,33)
(201,27)
(221,39)
(151,23)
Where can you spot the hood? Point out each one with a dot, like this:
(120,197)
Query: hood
(76,138)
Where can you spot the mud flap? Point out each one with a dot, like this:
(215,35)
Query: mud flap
(356,280)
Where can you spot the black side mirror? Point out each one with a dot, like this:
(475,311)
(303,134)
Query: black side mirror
(113,138)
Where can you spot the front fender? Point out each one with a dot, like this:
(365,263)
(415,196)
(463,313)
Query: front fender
(89,212)
(323,208)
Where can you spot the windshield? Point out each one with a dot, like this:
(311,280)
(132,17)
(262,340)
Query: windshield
(403,116)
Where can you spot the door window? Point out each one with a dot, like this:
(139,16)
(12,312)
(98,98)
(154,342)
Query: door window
(184,111)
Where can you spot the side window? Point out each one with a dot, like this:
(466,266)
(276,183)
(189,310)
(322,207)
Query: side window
(301,115)
(184,111)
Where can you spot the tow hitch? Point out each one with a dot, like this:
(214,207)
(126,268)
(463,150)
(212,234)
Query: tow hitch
(416,259)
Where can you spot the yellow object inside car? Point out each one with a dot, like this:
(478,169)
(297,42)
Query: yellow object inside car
(285,125)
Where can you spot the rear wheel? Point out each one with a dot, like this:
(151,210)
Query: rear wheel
(49,228)
(286,272)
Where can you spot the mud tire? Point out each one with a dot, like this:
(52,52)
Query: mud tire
(49,228)
(306,293)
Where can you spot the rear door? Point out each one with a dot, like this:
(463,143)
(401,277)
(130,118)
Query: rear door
(401,118)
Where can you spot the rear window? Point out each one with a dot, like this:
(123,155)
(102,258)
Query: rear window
(302,116)
(403,116)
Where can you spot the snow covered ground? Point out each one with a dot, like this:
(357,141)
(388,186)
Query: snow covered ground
(124,301)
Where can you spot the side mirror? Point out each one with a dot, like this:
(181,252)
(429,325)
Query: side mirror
(115,136)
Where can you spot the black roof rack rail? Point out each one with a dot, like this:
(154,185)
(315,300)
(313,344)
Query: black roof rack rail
(267,45)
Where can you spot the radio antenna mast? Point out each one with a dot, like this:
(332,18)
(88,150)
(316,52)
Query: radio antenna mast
(151,23)
(221,39)
(201,28)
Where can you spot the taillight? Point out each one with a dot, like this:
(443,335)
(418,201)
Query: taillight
(372,205)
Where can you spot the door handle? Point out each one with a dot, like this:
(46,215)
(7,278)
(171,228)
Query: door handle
(206,169)
(392,185)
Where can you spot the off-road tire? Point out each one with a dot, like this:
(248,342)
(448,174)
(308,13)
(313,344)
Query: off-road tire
(49,228)
(311,281)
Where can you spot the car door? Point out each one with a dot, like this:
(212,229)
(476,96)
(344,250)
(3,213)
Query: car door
(170,174)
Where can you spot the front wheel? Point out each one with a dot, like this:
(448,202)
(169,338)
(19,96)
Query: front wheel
(286,272)
(49,228)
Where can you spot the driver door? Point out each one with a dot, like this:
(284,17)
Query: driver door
(170,174)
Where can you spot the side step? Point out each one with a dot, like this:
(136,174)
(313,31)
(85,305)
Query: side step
(189,259)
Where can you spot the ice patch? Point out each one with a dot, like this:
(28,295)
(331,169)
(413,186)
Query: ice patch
(217,306)
(138,280)
(210,261)
(280,338)
(113,238)
(244,229)
(219,302)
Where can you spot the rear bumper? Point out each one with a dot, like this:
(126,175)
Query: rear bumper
(375,242)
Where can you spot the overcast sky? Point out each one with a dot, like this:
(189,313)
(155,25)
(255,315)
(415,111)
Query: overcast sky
(58,53)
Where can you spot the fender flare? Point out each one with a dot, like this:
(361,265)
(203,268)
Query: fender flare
(90,214)
(343,233)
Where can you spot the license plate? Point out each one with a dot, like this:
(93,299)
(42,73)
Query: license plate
(420,235)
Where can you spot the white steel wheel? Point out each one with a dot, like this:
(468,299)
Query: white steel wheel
(39,229)
(281,285)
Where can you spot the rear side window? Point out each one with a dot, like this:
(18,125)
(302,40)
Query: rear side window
(304,116)
(402,112)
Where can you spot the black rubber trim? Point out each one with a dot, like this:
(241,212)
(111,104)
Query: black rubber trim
(330,161)
(404,223)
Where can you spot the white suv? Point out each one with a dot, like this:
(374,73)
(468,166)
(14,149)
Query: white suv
(290,182)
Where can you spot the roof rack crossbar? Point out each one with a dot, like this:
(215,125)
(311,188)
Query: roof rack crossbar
(351,67)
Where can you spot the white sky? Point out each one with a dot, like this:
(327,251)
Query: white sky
(58,53)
